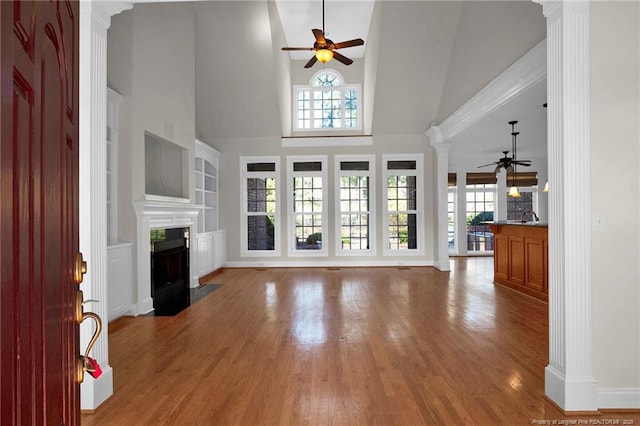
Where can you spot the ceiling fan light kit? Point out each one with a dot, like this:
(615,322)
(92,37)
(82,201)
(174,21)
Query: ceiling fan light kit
(324,55)
(325,49)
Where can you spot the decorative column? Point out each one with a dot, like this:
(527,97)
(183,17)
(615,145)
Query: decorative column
(442,155)
(569,380)
(502,186)
(95,18)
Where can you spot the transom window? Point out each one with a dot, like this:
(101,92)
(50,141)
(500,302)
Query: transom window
(327,103)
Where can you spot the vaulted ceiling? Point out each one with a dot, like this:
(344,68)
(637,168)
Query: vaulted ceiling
(421,61)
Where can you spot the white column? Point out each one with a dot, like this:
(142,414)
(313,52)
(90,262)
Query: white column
(95,18)
(461,214)
(502,187)
(442,156)
(569,380)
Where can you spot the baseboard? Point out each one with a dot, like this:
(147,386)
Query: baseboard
(327,263)
(141,308)
(619,398)
(93,392)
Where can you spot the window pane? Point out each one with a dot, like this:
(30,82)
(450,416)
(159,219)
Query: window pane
(261,167)
(310,166)
(354,218)
(260,232)
(401,165)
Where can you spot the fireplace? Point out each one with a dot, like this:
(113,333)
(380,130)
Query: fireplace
(161,213)
(169,270)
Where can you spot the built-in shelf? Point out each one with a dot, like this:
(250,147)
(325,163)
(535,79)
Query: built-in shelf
(206,187)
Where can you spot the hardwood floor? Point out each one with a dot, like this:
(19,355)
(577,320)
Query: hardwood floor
(346,346)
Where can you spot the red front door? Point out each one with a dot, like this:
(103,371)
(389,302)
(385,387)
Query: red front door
(39,212)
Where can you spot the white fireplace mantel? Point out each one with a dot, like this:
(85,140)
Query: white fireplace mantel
(160,213)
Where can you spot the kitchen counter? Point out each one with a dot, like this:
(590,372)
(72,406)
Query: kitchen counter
(520,257)
(517,223)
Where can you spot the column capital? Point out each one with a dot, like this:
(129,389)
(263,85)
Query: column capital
(437,140)
(102,11)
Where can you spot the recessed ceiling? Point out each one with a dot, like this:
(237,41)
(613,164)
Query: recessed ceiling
(344,20)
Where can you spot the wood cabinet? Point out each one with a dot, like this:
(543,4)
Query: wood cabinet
(521,258)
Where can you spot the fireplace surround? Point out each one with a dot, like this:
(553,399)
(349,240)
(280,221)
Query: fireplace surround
(154,213)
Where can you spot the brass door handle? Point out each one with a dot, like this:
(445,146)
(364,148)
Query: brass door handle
(84,364)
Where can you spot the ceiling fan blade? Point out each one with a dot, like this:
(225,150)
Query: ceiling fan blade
(490,164)
(342,58)
(350,43)
(311,62)
(298,48)
(522,164)
(319,35)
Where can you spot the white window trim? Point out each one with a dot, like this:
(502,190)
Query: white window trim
(453,190)
(419,173)
(291,222)
(343,87)
(244,175)
(371,173)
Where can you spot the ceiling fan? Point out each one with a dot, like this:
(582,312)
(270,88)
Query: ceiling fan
(507,162)
(325,49)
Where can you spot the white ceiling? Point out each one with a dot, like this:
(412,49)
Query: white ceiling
(344,20)
(483,142)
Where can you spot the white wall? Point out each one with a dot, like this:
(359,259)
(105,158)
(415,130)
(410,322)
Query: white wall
(229,192)
(615,165)
(151,63)
(490,36)
(236,71)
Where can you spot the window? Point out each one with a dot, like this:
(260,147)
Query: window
(480,193)
(403,204)
(327,103)
(527,183)
(260,206)
(355,224)
(307,178)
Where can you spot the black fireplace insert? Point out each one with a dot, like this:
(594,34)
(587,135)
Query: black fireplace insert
(170,270)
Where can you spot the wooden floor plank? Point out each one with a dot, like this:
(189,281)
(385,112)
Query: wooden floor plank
(353,346)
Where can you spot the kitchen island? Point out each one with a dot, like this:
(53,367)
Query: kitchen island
(521,257)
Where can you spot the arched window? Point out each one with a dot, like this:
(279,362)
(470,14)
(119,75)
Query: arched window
(327,103)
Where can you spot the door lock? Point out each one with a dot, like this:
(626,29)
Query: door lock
(80,268)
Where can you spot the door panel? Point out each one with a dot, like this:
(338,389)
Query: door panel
(38,212)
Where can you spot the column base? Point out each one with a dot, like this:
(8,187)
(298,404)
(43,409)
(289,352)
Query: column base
(94,392)
(571,394)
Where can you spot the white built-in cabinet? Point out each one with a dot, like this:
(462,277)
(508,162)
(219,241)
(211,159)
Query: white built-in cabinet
(210,241)
(119,281)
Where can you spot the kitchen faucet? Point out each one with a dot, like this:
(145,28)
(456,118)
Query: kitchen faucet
(535,216)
